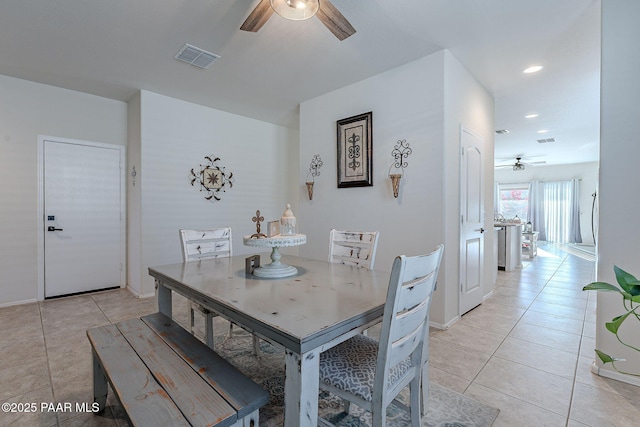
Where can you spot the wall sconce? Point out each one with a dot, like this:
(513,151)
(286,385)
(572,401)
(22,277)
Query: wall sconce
(314,170)
(399,153)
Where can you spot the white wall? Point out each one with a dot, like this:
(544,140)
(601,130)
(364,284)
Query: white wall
(619,197)
(27,110)
(467,104)
(408,102)
(586,172)
(174,137)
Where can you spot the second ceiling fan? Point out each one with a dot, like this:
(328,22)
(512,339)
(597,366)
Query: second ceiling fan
(300,10)
(519,165)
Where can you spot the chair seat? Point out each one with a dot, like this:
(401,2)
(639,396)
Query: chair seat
(351,366)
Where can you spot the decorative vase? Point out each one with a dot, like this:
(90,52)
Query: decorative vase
(310,189)
(395,183)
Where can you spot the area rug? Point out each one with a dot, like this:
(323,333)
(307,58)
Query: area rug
(446,407)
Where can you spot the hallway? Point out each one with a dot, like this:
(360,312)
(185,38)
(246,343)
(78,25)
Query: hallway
(528,349)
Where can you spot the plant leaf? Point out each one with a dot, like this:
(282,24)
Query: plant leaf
(616,322)
(601,286)
(604,357)
(627,281)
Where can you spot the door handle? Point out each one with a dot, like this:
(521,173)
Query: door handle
(481,230)
(52,228)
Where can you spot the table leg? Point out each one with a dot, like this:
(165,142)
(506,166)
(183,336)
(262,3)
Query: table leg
(301,389)
(164,299)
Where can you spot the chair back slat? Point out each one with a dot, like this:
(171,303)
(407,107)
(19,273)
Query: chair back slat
(404,348)
(412,292)
(357,248)
(205,244)
(408,321)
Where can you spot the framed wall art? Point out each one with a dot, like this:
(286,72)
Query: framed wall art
(355,151)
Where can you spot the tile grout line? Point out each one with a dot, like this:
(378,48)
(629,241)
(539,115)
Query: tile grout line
(575,371)
(46,352)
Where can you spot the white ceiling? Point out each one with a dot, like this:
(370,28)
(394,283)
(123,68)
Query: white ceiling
(114,48)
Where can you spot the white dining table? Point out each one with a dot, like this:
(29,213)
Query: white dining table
(316,309)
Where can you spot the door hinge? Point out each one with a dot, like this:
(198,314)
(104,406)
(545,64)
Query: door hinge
(461,219)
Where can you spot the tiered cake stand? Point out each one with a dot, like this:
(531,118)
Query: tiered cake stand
(275,269)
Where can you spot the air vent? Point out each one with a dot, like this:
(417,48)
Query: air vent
(544,141)
(502,131)
(196,56)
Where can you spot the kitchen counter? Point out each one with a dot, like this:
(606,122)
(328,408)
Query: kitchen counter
(509,243)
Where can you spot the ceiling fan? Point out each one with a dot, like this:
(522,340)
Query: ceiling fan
(299,10)
(519,165)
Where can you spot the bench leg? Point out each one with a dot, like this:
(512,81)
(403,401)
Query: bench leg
(100,386)
(250,420)
(208,328)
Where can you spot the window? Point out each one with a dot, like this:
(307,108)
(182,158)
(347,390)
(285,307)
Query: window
(513,199)
(551,207)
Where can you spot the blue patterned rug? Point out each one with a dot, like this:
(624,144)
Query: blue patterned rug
(446,407)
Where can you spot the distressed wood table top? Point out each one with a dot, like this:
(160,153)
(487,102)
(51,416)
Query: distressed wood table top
(302,312)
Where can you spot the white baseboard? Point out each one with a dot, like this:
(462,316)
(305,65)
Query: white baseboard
(444,326)
(138,295)
(12,303)
(489,295)
(614,375)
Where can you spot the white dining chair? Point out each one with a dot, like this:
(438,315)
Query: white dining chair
(205,244)
(356,248)
(371,374)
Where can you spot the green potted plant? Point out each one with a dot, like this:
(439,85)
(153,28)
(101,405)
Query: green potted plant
(629,289)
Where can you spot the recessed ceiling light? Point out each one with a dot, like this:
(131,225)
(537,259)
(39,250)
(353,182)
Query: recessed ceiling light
(543,131)
(533,69)
(531,116)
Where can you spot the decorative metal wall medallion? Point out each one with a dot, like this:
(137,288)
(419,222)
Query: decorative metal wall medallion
(211,178)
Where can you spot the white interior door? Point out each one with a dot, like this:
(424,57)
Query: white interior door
(82,217)
(472,220)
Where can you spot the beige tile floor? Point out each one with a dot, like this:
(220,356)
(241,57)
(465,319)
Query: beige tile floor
(527,350)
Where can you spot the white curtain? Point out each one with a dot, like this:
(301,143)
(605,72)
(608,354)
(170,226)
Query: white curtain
(575,235)
(535,212)
(561,212)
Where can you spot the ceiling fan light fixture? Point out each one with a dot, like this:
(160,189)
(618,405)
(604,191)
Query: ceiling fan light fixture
(295,10)
(532,69)
(518,167)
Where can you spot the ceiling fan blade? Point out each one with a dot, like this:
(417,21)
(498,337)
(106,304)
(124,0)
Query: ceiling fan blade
(334,20)
(258,17)
(535,163)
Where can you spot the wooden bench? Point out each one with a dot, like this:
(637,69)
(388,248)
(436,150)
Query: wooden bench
(163,375)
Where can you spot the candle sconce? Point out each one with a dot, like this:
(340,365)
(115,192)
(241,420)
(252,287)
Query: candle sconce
(399,153)
(314,170)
